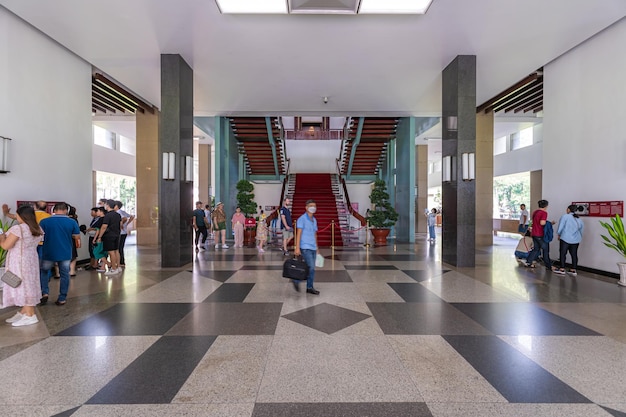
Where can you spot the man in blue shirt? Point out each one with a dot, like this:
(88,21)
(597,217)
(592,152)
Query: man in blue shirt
(60,232)
(306,244)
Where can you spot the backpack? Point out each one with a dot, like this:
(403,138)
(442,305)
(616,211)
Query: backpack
(548,232)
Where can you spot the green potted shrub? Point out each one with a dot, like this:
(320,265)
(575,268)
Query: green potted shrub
(382,216)
(245,201)
(617,241)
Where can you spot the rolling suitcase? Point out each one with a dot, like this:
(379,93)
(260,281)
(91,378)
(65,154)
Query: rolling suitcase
(295,269)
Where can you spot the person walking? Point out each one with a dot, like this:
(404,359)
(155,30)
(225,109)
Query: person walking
(541,242)
(432,221)
(523,219)
(570,233)
(109,235)
(238,222)
(60,233)
(306,244)
(219,225)
(21,242)
(286,224)
(199,225)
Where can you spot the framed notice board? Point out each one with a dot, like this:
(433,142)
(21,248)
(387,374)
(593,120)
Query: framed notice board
(600,208)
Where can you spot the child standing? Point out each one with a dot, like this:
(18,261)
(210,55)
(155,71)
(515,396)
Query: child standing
(261,233)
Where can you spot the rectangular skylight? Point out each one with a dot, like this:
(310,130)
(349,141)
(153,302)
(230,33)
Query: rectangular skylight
(253,6)
(394,6)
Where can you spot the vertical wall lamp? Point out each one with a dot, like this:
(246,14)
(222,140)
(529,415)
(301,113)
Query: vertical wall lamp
(446,169)
(169,165)
(469,166)
(188,168)
(4,155)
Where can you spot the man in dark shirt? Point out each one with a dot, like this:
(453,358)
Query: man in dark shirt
(109,235)
(199,224)
(286,224)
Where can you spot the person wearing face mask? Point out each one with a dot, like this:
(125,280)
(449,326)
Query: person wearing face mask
(306,244)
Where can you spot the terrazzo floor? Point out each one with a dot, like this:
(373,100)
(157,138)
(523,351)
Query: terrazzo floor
(394,332)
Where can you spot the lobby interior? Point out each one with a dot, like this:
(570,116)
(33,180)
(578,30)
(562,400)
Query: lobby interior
(447,328)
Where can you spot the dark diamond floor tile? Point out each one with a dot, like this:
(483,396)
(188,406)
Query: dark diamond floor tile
(614,413)
(230,293)
(332,276)
(370,267)
(341,410)
(326,317)
(515,376)
(261,268)
(67,413)
(424,319)
(230,319)
(131,319)
(521,319)
(421,275)
(157,375)
(221,276)
(352,257)
(414,293)
(402,257)
(221,256)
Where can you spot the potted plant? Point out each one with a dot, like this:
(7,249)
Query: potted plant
(382,216)
(617,240)
(245,201)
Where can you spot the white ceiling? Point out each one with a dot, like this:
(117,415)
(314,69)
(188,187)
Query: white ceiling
(286,64)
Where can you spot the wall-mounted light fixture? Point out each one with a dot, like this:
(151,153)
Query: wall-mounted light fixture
(4,155)
(446,169)
(169,165)
(188,168)
(468,161)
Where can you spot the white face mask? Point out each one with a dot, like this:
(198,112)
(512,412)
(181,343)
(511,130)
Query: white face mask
(312,210)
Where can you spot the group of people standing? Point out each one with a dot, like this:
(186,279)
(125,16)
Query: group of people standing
(569,232)
(40,241)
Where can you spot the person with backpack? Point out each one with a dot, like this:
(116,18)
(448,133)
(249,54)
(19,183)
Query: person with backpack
(569,233)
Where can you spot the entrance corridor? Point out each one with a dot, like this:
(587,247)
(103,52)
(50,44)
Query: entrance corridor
(394,332)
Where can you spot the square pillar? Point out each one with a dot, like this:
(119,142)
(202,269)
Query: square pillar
(176,136)
(484,179)
(147,168)
(459,137)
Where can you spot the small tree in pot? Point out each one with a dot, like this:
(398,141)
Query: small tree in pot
(383,215)
(245,201)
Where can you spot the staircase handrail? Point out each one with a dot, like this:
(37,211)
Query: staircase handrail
(352,211)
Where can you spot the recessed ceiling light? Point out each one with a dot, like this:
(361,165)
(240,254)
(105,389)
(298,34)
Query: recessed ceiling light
(394,6)
(252,6)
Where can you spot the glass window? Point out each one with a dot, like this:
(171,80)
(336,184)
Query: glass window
(499,145)
(522,138)
(127,145)
(509,191)
(103,137)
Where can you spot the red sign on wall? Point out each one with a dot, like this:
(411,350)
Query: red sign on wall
(600,208)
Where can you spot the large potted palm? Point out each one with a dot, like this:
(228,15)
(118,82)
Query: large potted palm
(382,216)
(617,241)
(245,201)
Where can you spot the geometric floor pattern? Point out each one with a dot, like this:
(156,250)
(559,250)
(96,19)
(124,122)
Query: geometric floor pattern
(393,332)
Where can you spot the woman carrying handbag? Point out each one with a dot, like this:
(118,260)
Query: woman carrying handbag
(21,243)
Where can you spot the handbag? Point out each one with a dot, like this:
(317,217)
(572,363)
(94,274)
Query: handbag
(9,278)
(295,269)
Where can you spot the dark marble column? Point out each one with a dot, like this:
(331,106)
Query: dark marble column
(458,137)
(176,135)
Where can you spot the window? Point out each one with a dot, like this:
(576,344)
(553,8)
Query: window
(499,145)
(127,145)
(509,191)
(522,138)
(103,137)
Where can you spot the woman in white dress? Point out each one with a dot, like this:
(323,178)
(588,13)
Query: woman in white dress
(21,243)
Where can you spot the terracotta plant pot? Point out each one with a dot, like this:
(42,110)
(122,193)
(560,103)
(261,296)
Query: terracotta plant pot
(380,236)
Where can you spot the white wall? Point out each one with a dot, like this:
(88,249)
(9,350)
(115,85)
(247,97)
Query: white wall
(525,159)
(584,148)
(267,194)
(108,160)
(314,156)
(45,107)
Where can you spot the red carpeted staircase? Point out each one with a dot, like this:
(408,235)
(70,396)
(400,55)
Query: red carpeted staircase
(317,187)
